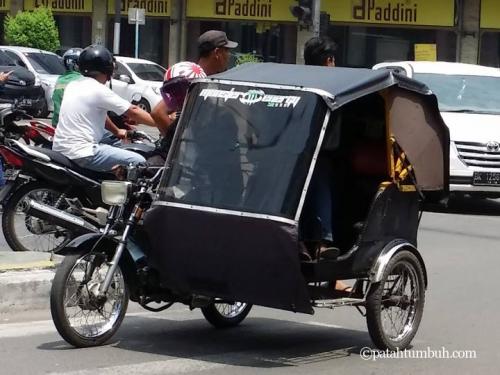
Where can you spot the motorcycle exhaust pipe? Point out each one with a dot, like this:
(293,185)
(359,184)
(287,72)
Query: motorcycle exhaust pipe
(59,217)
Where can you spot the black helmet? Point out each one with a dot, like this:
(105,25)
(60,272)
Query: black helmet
(70,58)
(96,59)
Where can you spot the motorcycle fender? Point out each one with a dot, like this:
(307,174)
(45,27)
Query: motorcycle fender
(83,243)
(129,261)
(9,188)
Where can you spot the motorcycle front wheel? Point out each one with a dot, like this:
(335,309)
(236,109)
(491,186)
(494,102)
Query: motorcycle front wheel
(80,316)
(24,232)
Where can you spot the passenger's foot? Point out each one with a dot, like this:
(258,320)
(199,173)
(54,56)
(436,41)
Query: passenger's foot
(342,287)
(328,253)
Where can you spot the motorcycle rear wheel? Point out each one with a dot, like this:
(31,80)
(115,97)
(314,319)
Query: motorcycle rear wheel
(79,316)
(23,232)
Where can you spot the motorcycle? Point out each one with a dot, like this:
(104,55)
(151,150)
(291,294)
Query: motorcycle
(16,123)
(48,199)
(95,281)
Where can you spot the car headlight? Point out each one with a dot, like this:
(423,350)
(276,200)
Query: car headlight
(156,90)
(115,193)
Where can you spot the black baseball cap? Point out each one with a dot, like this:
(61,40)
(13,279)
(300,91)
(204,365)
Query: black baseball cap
(214,39)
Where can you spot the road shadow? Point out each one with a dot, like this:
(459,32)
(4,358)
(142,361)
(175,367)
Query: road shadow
(467,206)
(257,342)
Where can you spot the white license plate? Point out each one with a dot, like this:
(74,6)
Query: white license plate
(26,102)
(486,178)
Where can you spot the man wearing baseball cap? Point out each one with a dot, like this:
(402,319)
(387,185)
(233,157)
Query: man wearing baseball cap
(213,50)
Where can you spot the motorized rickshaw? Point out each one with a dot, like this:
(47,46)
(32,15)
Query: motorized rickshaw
(223,226)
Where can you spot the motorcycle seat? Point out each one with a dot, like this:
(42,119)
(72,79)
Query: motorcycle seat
(60,159)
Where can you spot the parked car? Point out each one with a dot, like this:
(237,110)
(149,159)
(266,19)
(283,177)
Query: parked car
(134,77)
(20,87)
(469,101)
(46,66)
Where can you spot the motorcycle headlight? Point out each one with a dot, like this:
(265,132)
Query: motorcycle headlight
(115,193)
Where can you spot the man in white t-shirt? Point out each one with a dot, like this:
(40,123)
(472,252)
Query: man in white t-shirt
(82,117)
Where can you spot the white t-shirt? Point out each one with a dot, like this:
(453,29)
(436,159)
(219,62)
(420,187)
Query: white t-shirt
(82,117)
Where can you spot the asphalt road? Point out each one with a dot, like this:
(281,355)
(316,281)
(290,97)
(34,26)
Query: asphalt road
(461,313)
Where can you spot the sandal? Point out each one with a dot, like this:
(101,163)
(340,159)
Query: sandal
(328,253)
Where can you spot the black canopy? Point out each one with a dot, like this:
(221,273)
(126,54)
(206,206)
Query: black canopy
(342,84)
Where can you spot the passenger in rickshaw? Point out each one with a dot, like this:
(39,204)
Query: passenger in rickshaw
(320,203)
(348,168)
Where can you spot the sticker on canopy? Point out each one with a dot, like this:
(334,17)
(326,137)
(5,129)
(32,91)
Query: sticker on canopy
(251,97)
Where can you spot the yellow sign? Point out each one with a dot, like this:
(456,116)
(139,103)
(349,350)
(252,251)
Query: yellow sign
(394,12)
(154,8)
(490,14)
(425,52)
(61,6)
(256,10)
(4,5)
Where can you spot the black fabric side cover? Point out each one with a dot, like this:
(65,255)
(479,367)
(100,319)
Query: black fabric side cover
(227,256)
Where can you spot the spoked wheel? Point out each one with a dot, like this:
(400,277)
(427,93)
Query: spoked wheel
(27,233)
(225,315)
(394,307)
(81,318)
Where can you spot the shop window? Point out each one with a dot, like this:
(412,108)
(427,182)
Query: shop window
(361,46)
(153,39)
(74,31)
(490,49)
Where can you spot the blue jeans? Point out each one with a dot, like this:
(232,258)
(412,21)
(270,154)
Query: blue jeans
(319,203)
(110,139)
(106,157)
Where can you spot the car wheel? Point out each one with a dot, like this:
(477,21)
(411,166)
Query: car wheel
(144,104)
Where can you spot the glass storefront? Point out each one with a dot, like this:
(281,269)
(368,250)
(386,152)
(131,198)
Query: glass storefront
(365,46)
(153,35)
(153,39)
(369,32)
(74,31)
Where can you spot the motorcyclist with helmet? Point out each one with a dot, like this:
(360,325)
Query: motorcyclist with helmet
(83,115)
(70,61)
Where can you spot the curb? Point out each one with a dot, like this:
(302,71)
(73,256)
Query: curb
(25,290)
(25,281)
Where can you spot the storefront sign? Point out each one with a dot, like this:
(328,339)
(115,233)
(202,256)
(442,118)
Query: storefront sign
(394,12)
(425,52)
(490,14)
(61,6)
(257,10)
(154,8)
(4,5)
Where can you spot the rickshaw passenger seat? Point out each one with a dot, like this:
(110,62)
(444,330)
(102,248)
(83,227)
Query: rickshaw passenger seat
(369,158)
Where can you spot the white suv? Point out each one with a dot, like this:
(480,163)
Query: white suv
(469,101)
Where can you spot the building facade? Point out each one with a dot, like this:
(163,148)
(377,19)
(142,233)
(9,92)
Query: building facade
(366,31)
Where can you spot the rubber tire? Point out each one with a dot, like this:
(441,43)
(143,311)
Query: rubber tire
(9,209)
(143,103)
(213,316)
(373,302)
(57,308)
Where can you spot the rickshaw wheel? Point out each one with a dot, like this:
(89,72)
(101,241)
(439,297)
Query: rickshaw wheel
(81,318)
(395,305)
(226,315)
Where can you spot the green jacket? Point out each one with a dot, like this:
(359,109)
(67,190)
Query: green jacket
(57,95)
